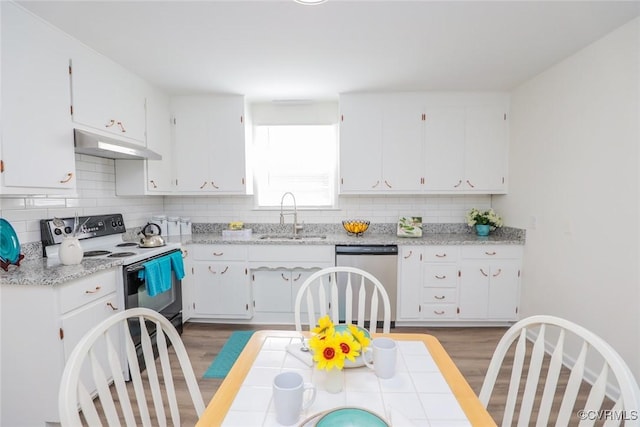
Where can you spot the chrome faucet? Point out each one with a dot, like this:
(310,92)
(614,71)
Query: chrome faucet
(296,226)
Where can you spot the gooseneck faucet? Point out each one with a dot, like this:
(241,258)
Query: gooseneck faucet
(296,227)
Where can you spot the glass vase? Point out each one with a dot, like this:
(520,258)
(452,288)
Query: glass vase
(334,380)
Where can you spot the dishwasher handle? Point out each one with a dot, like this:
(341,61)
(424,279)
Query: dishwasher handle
(366,249)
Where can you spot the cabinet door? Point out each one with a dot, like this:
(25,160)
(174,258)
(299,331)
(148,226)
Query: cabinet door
(485,149)
(37,135)
(77,323)
(409,283)
(108,98)
(190,141)
(159,172)
(272,290)
(402,151)
(298,276)
(444,149)
(222,289)
(360,144)
(209,144)
(504,290)
(474,290)
(228,169)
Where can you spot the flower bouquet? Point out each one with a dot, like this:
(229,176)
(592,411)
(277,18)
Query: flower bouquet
(335,347)
(338,346)
(483,221)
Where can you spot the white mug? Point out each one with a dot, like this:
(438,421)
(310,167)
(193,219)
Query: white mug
(288,393)
(384,357)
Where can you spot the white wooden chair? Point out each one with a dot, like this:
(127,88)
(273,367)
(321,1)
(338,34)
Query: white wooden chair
(559,343)
(75,394)
(319,295)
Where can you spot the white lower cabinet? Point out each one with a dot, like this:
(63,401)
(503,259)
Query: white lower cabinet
(278,272)
(219,286)
(459,283)
(490,282)
(275,290)
(40,327)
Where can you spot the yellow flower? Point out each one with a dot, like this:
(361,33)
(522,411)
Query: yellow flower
(359,335)
(328,353)
(348,345)
(325,326)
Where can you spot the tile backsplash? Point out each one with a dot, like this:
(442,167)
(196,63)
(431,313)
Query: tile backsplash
(96,195)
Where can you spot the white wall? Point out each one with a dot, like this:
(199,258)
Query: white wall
(574,184)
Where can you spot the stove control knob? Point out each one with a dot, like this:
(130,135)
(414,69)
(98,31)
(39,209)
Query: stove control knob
(68,230)
(57,231)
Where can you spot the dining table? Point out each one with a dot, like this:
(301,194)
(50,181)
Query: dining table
(427,388)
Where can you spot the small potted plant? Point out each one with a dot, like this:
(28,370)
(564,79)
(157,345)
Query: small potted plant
(483,221)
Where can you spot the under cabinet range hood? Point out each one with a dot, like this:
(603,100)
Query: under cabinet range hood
(111,148)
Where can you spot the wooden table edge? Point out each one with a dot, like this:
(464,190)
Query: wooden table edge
(469,402)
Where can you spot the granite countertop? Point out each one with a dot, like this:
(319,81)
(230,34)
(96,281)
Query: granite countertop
(36,270)
(45,271)
(366,239)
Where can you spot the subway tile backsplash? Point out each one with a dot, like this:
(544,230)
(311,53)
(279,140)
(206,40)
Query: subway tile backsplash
(96,195)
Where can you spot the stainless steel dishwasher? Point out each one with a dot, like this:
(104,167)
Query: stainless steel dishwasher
(379,260)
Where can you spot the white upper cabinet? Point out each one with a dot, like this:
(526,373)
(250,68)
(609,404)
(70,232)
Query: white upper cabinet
(209,144)
(37,136)
(411,143)
(485,148)
(360,143)
(380,143)
(150,177)
(107,98)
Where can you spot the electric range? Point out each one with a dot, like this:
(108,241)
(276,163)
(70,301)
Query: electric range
(100,236)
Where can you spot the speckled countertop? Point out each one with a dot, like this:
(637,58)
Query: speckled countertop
(378,234)
(35,270)
(45,271)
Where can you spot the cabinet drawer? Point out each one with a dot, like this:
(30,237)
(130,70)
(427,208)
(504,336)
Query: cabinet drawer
(439,295)
(492,252)
(219,252)
(439,311)
(440,254)
(83,291)
(440,275)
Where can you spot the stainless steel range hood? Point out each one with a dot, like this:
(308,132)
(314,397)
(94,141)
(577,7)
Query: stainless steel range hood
(111,148)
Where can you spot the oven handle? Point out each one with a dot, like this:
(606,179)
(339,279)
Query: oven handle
(140,264)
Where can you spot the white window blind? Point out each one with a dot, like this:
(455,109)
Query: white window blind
(297,158)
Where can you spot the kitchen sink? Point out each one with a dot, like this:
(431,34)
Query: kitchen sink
(302,237)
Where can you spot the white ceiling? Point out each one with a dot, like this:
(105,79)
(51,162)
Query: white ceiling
(278,49)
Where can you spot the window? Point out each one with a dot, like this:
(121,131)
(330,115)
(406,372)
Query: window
(297,158)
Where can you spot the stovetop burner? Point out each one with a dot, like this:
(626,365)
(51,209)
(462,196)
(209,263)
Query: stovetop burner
(125,244)
(96,253)
(121,254)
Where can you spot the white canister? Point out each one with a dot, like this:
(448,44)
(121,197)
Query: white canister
(161,220)
(173,226)
(70,251)
(185,226)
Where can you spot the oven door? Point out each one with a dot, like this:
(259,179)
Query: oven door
(168,303)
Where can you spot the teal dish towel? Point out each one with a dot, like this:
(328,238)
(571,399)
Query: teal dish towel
(157,275)
(177,264)
(157,272)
